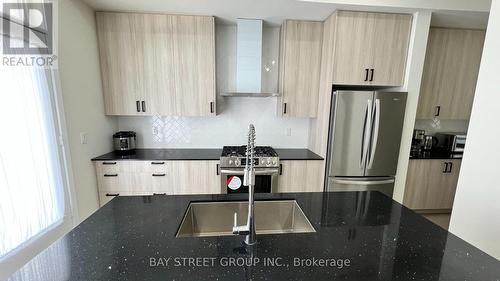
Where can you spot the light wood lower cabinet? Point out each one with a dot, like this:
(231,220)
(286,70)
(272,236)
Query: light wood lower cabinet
(195,177)
(431,184)
(301,176)
(128,178)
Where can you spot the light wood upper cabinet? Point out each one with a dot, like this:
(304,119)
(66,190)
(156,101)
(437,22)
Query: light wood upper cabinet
(301,176)
(431,184)
(157,64)
(370,48)
(450,73)
(300,63)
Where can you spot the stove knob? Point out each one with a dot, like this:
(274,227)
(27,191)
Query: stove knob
(274,162)
(230,162)
(268,161)
(237,162)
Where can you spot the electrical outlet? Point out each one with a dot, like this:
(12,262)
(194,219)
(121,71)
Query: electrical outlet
(83,137)
(288,132)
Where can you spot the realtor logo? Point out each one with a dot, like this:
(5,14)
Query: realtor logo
(27,29)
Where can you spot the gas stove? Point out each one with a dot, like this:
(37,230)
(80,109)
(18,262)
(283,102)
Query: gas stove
(235,156)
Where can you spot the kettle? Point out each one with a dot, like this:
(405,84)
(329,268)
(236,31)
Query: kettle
(429,142)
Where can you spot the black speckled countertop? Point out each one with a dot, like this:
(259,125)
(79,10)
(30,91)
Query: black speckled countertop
(435,154)
(382,240)
(199,154)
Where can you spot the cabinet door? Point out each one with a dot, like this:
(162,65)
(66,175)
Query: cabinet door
(121,56)
(166,63)
(193,44)
(353,54)
(450,73)
(371,48)
(194,177)
(300,67)
(429,187)
(301,176)
(390,49)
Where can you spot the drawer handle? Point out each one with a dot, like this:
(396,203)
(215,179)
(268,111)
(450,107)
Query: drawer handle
(159,193)
(112,194)
(158,175)
(110,175)
(109,163)
(157,163)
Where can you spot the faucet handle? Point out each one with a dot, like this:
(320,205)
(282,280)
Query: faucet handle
(239,230)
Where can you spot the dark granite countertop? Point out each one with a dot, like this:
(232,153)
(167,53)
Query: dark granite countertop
(164,154)
(381,239)
(297,154)
(435,154)
(199,154)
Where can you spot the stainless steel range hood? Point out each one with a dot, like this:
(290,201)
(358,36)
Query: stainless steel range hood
(251,72)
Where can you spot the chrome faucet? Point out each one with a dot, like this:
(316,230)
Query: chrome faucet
(248,180)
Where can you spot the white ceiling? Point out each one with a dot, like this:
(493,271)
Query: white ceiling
(273,12)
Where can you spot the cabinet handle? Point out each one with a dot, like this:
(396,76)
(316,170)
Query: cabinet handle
(284,108)
(158,175)
(159,193)
(143,106)
(281,169)
(110,175)
(217,169)
(438,110)
(447,167)
(211,107)
(157,163)
(109,163)
(112,194)
(372,74)
(138,106)
(367,73)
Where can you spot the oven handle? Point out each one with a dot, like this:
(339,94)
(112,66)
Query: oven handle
(257,172)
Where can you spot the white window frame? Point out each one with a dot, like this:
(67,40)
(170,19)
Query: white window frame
(14,260)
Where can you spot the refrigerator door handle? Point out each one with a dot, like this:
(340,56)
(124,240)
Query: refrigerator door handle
(366,134)
(355,182)
(375,133)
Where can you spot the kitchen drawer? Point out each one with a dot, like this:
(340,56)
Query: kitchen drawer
(161,184)
(159,167)
(105,197)
(115,181)
(110,167)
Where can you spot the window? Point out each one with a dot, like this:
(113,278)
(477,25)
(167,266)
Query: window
(33,185)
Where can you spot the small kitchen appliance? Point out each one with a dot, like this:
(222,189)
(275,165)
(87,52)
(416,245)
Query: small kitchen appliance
(125,141)
(430,142)
(452,142)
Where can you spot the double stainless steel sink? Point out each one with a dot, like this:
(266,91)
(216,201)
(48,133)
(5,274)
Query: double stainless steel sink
(216,218)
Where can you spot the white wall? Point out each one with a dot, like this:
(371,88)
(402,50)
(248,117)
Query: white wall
(82,97)
(230,126)
(476,211)
(414,70)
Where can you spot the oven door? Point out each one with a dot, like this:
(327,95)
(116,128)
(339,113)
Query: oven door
(266,180)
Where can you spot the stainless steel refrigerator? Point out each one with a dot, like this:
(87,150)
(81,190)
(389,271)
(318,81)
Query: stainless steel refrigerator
(364,139)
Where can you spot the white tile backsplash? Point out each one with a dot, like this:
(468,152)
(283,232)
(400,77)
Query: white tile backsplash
(436,126)
(227,128)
